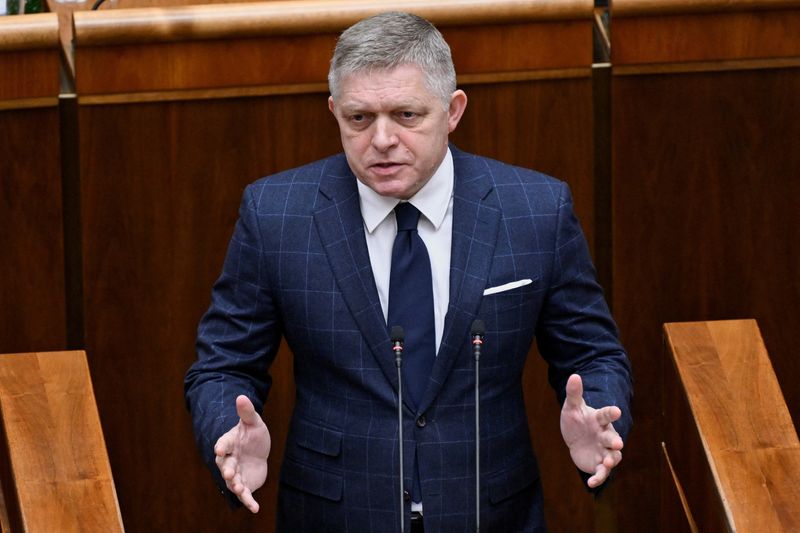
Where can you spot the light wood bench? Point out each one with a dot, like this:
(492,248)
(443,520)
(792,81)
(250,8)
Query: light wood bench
(53,463)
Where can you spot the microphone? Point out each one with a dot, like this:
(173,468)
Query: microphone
(477,332)
(397,336)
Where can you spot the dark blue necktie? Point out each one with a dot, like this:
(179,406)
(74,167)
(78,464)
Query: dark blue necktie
(411,301)
(411,307)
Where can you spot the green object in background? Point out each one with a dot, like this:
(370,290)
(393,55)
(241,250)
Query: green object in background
(33,6)
(29,6)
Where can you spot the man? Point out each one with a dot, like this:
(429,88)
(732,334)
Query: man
(315,258)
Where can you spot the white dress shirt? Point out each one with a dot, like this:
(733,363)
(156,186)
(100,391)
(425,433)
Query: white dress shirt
(435,202)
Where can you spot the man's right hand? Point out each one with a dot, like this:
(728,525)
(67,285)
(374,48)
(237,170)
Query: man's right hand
(242,454)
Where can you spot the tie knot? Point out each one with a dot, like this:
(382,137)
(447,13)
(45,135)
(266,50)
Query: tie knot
(407,216)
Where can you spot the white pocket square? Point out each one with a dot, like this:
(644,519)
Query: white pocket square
(507,286)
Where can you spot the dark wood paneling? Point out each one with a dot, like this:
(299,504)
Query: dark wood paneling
(161,189)
(705,37)
(32,315)
(705,225)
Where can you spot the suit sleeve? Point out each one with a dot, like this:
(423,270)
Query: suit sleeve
(575,332)
(238,338)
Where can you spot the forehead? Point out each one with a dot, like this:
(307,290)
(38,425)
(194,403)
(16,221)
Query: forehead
(400,85)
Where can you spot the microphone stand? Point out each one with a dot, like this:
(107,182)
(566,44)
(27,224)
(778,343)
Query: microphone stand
(397,336)
(478,331)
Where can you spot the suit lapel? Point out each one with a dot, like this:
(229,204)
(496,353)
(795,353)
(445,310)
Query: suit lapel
(337,215)
(476,218)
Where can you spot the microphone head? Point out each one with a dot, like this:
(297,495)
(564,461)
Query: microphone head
(478,328)
(396,334)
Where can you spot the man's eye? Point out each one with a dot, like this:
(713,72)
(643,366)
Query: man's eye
(408,115)
(357,118)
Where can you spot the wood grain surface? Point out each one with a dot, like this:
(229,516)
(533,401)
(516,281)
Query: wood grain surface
(687,37)
(302,17)
(657,8)
(54,444)
(304,59)
(32,292)
(749,440)
(29,57)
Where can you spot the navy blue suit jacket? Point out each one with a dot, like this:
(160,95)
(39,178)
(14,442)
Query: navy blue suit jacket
(298,266)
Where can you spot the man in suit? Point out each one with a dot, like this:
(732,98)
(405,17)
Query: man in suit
(315,258)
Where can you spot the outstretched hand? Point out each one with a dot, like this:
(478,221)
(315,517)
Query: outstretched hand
(241,454)
(594,444)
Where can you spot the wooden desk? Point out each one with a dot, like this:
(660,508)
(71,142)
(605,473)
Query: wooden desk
(55,471)
(730,410)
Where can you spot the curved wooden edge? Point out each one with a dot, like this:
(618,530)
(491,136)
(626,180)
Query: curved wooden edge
(29,32)
(637,8)
(220,21)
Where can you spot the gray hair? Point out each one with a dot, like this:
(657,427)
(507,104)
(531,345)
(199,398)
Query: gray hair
(390,40)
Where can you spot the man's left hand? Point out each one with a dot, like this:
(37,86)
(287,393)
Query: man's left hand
(594,444)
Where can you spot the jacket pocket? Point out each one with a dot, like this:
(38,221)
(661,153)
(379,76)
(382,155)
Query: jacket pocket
(312,480)
(312,460)
(325,440)
(507,483)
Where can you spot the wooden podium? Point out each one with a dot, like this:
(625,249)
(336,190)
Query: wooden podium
(53,463)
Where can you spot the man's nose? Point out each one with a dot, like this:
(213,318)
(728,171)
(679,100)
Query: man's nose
(384,135)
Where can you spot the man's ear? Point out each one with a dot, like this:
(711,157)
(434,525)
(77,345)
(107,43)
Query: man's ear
(330,105)
(458,103)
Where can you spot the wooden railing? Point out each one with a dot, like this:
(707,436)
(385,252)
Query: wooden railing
(729,440)
(53,463)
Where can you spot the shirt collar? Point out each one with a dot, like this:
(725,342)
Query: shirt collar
(432,199)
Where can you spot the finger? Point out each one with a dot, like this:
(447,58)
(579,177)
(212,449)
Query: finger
(612,459)
(574,391)
(246,411)
(608,415)
(224,445)
(600,475)
(227,467)
(246,497)
(611,440)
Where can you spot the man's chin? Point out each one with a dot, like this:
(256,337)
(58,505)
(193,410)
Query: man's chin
(393,188)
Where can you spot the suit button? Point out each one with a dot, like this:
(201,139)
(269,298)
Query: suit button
(421,421)
(406,496)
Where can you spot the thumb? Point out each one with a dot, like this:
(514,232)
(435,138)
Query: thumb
(574,391)
(246,411)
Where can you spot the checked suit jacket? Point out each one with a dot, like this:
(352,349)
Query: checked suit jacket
(298,266)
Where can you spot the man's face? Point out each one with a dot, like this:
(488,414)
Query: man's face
(394,129)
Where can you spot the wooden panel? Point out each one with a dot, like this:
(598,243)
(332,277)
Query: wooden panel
(158,212)
(61,476)
(29,58)
(180,48)
(737,406)
(32,315)
(31,235)
(705,217)
(705,37)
